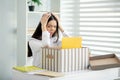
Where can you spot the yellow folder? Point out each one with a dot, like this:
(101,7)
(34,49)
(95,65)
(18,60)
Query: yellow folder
(26,68)
(71,42)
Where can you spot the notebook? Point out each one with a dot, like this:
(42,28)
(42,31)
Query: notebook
(71,42)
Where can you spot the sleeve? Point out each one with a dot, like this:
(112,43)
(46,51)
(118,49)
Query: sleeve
(65,34)
(37,44)
(45,39)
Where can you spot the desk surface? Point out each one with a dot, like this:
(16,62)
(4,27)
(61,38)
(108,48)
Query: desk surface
(107,74)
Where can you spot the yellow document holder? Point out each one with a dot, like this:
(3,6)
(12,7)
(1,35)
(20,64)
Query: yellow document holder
(71,42)
(26,68)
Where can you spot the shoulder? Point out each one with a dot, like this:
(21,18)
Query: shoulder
(33,39)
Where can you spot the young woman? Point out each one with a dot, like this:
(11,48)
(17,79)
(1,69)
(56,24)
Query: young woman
(45,35)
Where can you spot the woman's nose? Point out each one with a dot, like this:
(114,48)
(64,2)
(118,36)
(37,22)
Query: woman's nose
(52,27)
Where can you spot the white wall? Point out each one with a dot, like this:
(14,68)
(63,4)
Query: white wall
(21,33)
(7,38)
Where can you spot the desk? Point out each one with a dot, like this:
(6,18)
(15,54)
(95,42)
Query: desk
(107,74)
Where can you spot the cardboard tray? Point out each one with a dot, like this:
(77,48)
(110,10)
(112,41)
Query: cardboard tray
(104,61)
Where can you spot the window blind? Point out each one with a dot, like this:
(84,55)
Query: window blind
(96,21)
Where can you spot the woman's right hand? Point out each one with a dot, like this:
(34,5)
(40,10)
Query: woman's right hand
(44,20)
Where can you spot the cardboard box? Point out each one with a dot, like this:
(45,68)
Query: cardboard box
(104,61)
(65,60)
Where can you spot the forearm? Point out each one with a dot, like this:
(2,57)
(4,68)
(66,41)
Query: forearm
(44,28)
(61,29)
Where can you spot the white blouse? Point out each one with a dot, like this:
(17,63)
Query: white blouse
(36,45)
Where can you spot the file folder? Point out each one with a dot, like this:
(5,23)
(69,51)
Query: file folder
(71,42)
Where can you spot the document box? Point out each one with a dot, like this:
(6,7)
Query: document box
(65,60)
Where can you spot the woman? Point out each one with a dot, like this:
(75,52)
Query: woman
(45,35)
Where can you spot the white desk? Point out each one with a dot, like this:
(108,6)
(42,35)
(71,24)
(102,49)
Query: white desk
(107,74)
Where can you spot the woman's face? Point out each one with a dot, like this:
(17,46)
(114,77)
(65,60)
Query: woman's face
(51,27)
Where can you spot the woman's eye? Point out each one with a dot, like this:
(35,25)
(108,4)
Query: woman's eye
(48,26)
(51,26)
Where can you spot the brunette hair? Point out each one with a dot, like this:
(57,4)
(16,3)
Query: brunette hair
(38,33)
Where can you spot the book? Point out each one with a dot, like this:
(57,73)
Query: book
(26,68)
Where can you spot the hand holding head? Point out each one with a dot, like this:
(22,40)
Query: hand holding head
(44,20)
